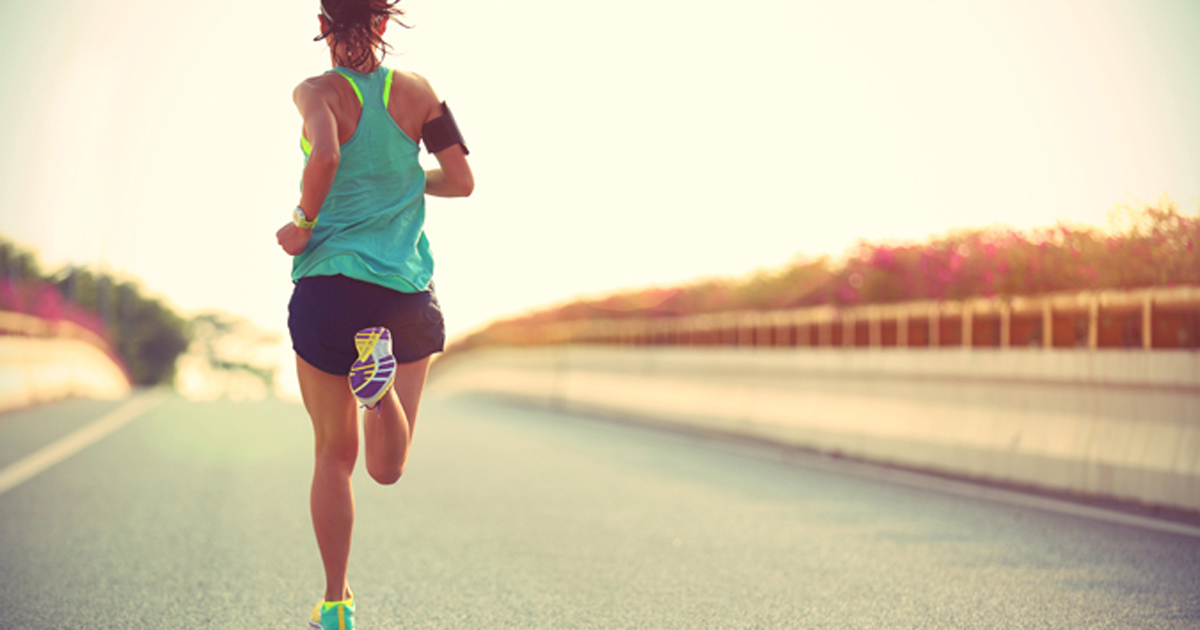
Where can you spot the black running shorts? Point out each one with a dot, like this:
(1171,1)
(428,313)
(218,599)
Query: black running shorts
(326,311)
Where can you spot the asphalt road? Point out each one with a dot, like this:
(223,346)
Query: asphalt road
(196,515)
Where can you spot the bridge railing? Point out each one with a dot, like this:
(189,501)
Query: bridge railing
(1158,318)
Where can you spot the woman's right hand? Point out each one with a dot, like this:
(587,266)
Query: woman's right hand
(293,239)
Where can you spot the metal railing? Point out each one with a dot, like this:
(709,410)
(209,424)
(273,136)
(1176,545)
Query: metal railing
(1151,319)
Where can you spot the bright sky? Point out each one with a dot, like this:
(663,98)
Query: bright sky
(614,145)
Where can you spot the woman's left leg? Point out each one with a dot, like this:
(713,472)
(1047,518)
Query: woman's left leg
(388,428)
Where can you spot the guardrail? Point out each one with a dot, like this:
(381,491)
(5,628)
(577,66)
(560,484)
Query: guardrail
(1155,318)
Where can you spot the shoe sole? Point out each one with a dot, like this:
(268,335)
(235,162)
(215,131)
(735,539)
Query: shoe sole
(371,376)
(316,626)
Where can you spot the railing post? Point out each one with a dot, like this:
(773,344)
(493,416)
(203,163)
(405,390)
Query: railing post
(1005,325)
(901,327)
(1148,322)
(874,328)
(968,325)
(1094,322)
(1047,325)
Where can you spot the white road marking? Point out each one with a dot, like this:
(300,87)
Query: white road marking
(21,471)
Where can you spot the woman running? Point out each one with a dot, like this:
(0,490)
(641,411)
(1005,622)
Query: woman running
(363,316)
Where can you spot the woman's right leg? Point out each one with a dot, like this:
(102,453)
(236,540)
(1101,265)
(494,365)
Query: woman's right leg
(333,410)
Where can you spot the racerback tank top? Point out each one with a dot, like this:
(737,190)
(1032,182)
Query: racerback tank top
(372,224)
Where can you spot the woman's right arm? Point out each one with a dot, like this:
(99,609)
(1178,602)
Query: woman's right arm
(315,102)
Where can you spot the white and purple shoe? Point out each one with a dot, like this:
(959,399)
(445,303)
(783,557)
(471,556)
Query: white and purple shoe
(373,373)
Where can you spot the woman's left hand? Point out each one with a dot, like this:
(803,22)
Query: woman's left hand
(292,239)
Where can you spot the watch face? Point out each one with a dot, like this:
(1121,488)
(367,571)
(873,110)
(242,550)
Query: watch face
(298,217)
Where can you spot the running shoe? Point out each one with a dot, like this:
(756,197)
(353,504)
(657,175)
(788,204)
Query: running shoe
(333,615)
(373,373)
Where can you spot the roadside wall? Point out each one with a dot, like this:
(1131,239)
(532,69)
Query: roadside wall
(1108,423)
(35,370)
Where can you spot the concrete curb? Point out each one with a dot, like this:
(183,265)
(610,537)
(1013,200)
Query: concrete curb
(1112,424)
(40,370)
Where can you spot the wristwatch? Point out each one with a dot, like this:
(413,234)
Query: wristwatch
(300,220)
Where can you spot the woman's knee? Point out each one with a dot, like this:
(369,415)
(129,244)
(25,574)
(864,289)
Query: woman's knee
(385,475)
(339,449)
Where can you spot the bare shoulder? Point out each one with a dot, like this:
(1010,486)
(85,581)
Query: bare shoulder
(320,87)
(412,81)
(417,92)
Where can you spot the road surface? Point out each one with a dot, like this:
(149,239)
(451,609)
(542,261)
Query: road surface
(195,515)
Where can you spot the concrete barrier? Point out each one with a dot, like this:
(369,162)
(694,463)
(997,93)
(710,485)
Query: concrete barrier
(35,370)
(1116,424)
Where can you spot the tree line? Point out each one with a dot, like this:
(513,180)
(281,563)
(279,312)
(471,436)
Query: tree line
(147,334)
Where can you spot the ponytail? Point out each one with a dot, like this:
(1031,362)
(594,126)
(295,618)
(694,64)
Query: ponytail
(352,24)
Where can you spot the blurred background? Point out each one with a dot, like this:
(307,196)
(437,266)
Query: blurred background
(151,151)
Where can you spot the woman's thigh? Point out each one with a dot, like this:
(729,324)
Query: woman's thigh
(332,408)
(409,385)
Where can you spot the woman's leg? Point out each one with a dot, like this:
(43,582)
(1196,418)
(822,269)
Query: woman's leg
(388,429)
(333,410)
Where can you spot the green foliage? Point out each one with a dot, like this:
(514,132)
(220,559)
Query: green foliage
(1157,245)
(147,335)
(17,265)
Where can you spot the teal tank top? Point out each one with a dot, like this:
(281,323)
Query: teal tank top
(372,224)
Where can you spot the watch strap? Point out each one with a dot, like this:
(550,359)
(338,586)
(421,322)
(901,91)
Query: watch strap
(300,219)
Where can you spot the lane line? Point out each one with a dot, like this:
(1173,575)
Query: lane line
(22,470)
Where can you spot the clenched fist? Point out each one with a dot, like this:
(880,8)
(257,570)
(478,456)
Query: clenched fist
(292,239)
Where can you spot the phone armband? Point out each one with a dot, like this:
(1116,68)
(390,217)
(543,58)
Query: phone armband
(442,133)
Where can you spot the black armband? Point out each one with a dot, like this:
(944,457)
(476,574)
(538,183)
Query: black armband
(442,133)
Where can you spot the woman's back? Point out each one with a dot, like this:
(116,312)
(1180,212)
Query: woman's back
(371,222)
(412,102)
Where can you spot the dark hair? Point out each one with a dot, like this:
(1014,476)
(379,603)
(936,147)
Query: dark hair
(352,24)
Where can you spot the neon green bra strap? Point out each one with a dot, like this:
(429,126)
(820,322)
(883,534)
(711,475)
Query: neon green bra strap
(306,146)
(355,85)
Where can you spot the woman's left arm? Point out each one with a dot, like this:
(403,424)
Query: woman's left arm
(454,178)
